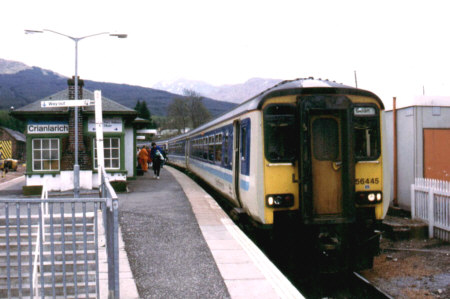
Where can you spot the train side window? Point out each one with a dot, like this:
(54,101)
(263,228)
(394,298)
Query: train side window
(225,149)
(279,133)
(211,148)
(243,143)
(218,148)
(367,137)
(205,148)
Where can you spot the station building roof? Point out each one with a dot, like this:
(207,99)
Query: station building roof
(14,134)
(108,106)
(423,101)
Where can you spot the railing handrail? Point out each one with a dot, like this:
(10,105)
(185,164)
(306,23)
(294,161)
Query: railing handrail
(106,187)
(110,219)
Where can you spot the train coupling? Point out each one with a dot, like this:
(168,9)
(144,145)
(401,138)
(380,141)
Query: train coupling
(328,242)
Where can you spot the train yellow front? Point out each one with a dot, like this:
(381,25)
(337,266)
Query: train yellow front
(303,158)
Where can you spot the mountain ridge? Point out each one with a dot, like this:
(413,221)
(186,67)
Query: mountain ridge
(234,93)
(21,85)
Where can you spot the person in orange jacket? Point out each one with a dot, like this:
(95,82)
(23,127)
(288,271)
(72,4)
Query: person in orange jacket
(143,158)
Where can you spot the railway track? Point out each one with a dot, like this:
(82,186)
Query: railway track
(311,285)
(342,286)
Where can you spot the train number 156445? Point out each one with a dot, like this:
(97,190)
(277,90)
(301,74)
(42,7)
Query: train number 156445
(367,181)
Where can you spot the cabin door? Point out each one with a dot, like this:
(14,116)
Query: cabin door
(326,164)
(326,155)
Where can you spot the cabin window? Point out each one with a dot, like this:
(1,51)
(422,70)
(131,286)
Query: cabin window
(367,137)
(325,135)
(45,154)
(279,133)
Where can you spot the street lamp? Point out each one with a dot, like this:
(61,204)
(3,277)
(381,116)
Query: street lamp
(76,167)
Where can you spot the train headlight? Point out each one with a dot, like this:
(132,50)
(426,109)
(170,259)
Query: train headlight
(280,200)
(364,198)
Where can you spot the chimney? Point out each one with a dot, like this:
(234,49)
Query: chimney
(71,84)
(68,156)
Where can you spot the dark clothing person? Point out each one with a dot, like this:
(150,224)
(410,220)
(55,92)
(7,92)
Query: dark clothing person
(156,154)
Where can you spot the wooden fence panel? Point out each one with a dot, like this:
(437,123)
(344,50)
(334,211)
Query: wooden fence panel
(430,201)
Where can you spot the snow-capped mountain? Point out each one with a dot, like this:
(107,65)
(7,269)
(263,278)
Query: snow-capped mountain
(235,93)
(11,67)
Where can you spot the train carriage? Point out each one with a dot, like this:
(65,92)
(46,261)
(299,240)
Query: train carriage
(304,156)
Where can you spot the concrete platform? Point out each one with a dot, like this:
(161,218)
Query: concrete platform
(187,247)
(247,272)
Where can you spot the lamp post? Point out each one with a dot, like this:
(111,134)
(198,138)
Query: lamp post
(76,167)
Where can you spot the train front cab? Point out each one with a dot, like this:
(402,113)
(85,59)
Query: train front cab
(333,171)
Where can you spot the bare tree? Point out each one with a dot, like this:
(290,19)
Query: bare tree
(198,114)
(178,114)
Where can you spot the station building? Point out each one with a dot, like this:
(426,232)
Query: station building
(12,144)
(423,142)
(50,141)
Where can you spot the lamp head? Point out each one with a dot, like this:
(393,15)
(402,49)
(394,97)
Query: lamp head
(119,35)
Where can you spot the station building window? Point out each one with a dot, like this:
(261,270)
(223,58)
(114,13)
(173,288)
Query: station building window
(45,154)
(111,147)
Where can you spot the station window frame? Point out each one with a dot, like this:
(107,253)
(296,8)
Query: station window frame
(47,155)
(111,153)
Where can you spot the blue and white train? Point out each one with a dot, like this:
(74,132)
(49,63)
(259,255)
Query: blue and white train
(304,156)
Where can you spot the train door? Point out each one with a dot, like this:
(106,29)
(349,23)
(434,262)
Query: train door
(241,157)
(326,164)
(236,159)
(328,167)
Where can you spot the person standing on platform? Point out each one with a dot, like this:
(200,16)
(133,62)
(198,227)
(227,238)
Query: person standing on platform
(157,157)
(143,159)
(149,161)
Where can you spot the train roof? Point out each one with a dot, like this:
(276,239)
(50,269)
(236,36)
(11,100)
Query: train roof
(288,87)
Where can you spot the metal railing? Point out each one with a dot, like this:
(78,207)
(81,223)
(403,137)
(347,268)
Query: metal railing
(430,201)
(111,225)
(50,246)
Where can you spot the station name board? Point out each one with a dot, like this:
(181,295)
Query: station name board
(48,129)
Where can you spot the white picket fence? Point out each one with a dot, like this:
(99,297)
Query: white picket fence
(430,201)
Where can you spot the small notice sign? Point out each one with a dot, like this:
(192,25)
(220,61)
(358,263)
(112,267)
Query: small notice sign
(67,103)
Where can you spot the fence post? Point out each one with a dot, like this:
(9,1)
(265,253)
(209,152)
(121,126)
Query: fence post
(112,231)
(115,207)
(431,213)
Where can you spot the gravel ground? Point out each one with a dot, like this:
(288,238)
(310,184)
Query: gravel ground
(412,268)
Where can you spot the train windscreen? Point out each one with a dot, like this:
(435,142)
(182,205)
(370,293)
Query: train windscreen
(279,129)
(367,133)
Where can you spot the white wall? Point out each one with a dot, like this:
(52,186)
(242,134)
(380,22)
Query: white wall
(129,151)
(410,124)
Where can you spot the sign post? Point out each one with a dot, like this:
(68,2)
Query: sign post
(99,135)
(75,104)
(67,103)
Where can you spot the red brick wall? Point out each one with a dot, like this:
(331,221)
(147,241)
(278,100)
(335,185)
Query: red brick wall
(68,144)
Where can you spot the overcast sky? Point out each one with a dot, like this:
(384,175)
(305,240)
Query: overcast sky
(397,48)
